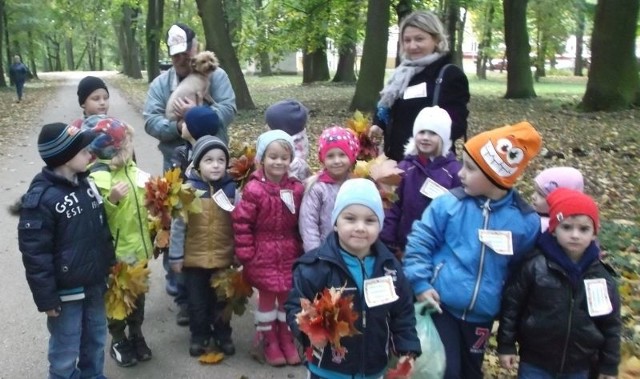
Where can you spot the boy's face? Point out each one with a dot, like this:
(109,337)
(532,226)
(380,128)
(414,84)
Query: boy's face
(428,143)
(540,203)
(96,103)
(358,228)
(213,165)
(80,161)
(474,181)
(574,234)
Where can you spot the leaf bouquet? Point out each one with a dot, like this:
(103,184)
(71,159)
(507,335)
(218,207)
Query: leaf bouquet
(385,174)
(231,286)
(360,125)
(328,318)
(126,283)
(242,164)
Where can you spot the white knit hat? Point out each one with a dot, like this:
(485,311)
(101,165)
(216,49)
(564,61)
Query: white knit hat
(434,119)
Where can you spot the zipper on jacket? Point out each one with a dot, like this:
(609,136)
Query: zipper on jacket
(566,340)
(135,197)
(364,316)
(485,214)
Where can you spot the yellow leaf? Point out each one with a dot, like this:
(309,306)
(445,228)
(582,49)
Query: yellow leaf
(211,358)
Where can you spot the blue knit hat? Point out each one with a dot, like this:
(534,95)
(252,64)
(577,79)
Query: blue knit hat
(287,115)
(358,191)
(202,121)
(266,138)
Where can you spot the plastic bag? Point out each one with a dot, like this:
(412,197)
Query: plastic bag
(431,363)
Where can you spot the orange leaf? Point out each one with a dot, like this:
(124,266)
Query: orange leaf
(402,370)
(211,358)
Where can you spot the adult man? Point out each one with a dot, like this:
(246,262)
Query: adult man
(182,45)
(18,74)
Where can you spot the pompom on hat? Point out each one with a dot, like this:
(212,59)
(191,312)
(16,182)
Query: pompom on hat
(205,144)
(434,119)
(358,191)
(559,177)
(58,143)
(504,153)
(343,139)
(110,134)
(265,139)
(287,115)
(87,85)
(202,121)
(564,203)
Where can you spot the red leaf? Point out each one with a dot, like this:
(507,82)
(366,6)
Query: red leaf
(401,371)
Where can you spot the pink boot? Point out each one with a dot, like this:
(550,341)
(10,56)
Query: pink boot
(272,353)
(287,345)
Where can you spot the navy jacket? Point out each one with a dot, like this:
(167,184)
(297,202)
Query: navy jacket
(64,239)
(393,323)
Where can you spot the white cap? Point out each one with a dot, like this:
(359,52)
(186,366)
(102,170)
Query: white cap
(434,119)
(179,38)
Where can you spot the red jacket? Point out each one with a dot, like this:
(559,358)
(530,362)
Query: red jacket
(266,232)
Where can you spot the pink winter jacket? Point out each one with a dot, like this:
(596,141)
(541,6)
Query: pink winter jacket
(266,232)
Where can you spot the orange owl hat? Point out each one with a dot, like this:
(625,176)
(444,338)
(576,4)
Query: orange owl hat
(503,153)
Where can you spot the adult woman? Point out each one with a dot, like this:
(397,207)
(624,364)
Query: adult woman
(425,51)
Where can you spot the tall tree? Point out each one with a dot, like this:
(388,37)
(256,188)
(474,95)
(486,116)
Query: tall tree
(451,21)
(264,60)
(3,82)
(153,34)
(485,31)
(374,56)
(126,28)
(613,77)
(315,67)
(351,23)
(580,12)
(519,79)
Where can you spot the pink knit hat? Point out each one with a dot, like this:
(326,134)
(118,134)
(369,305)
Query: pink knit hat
(559,177)
(341,138)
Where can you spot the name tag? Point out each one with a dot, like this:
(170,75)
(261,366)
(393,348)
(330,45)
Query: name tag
(222,200)
(431,189)
(142,178)
(287,199)
(379,291)
(598,301)
(95,191)
(413,92)
(498,240)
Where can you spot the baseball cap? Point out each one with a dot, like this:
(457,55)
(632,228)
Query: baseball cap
(179,38)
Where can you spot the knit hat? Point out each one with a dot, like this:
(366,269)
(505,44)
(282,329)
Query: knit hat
(358,191)
(341,138)
(565,202)
(179,38)
(58,143)
(110,134)
(434,119)
(288,115)
(265,139)
(202,121)
(503,153)
(206,143)
(559,177)
(87,85)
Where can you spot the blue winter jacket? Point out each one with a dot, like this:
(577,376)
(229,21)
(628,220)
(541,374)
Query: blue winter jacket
(393,323)
(444,251)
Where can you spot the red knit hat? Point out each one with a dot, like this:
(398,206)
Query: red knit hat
(341,138)
(564,202)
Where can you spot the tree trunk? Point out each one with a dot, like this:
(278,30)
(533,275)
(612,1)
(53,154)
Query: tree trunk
(485,44)
(315,65)
(374,56)
(68,48)
(580,25)
(153,35)
(264,61)
(3,82)
(541,53)
(345,72)
(219,41)
(130,49)
(451,25)
(403,9)
(233,15)
(613,76)
(519,78)
(32,60)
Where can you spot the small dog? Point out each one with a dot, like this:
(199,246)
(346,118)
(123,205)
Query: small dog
(196,85)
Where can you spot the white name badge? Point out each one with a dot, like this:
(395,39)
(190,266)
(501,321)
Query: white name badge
(379,291)
(222,200)
(142,178)
(413,92)
(498,240)
(287,199)
(431,189)
(95,191)
(598,300)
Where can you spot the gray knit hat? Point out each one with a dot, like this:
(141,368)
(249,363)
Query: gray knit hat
(204,144)
(289,116)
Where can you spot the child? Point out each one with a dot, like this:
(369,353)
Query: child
(122,187)
(67,251)
(93,97)
(291,117)
(459,252)
(203,245)
(351,257)
(430,169)
(265,223)
(562,296)
(546,182)
(337,150)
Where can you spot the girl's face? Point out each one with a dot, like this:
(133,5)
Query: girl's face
(96,103)
(574,234)
(80,161)
(540,203)
(213,165)
(337,164)
(416,43)
(428,143)
(358,228)
(276,161)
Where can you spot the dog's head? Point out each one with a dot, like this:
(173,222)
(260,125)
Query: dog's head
(204,62)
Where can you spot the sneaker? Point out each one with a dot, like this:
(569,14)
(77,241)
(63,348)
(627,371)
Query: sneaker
(123,353)
(143,353)
(197,348)
(182,318)
(226,346)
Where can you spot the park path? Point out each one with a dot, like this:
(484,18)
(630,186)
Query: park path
(23,339)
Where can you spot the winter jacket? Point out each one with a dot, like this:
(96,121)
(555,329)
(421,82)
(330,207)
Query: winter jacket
(315,213)
(411,202)
(165,131)
(64,239)
(128,218)
(18,72)
(394,323)
(266,232)
(444,251)
(454,96)
(206,240)
(181,158)
(549,319)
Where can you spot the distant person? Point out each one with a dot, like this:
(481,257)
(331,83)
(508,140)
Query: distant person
(425,53)
(291,116)
(18,73)
(67,250)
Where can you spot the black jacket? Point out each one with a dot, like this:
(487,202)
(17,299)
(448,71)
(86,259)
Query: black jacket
(454,97)
(64,238)
(394,322)
(550,320)
(181,158)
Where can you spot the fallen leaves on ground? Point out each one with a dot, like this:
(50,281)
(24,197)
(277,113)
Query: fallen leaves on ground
(211,358)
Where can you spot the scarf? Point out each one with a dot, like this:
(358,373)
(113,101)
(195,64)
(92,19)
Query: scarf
(399,81)
(574,270)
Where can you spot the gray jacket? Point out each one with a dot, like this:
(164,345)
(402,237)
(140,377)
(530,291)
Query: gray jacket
(315,213)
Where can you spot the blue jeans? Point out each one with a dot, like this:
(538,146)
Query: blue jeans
(78,336)
(529,371)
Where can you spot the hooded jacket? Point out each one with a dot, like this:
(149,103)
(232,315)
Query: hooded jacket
(315,213)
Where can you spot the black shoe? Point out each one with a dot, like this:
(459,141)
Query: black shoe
(123,353)
(226,346)
(182,318)
(197,348)
(143,353)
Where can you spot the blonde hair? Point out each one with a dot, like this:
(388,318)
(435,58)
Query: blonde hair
(428,22)
(125,154)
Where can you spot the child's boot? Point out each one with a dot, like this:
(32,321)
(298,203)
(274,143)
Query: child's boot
(269,338)
(287,344)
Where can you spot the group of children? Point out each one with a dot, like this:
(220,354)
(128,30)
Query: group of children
(463,233)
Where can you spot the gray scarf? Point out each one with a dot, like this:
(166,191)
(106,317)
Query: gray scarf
(401,76)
